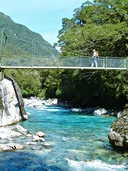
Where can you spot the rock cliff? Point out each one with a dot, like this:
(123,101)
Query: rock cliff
(118,135)
(11,103)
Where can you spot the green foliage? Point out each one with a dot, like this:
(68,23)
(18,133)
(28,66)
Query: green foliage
(50,81)
(100,25)
(28,81)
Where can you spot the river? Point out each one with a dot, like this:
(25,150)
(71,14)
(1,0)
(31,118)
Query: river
(79,142)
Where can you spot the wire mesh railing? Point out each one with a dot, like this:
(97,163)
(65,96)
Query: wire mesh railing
(63,62)
(10,57)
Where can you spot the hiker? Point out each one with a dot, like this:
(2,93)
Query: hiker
(94,58)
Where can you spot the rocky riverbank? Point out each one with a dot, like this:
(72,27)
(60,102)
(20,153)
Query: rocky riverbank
(118,135)
(34,102)
(18,138)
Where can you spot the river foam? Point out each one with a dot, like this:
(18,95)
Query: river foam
(95,165)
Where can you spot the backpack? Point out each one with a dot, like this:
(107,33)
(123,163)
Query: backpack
(97,54)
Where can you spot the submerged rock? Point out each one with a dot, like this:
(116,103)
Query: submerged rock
(118,135)
(77,110)
(47,145)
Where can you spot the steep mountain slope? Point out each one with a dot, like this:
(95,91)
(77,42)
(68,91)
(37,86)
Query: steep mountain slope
(21,40)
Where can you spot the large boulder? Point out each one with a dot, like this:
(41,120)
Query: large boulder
(11,103)
(118,135)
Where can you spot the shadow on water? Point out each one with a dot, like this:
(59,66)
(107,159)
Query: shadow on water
(24,161)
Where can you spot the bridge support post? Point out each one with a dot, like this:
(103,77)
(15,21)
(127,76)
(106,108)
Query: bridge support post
(1,75)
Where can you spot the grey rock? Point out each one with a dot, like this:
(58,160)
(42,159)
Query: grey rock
(47,145)
(118,135)
(40,134)
(11,103)
(21,130)
(11,147)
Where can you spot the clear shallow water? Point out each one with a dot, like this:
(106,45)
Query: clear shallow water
(79,142)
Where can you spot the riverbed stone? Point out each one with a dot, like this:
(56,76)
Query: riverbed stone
(47,145)
(40,134)
(118,135)
(15,134)
(31,143)
(11,147)
(21,130)
(37,138)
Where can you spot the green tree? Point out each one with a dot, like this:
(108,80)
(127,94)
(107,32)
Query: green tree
(102,25)
(28,81)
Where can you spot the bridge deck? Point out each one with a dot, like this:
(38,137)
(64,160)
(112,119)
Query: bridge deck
(104,63)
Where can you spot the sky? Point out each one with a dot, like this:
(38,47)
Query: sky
(41,16)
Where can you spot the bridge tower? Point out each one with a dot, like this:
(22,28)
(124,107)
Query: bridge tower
(1,74)
(2,51)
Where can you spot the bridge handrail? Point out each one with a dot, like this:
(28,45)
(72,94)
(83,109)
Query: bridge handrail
(83,62)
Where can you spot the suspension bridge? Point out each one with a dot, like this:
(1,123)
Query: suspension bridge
(35,62)
(12,61)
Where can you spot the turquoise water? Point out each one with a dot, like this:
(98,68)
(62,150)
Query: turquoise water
(79,142)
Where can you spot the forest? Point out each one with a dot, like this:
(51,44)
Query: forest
(100,25)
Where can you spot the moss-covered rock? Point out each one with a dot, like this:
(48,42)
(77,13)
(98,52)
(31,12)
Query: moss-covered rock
(118,135)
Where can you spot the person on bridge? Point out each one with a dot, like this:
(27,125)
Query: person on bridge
(95,58)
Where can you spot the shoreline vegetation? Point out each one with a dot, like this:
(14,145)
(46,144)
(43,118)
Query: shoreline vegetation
(76,88)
